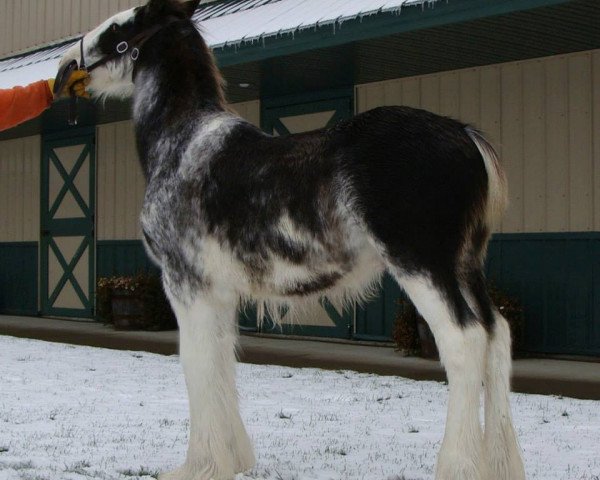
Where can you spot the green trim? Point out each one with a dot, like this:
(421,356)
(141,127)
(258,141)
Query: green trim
(341,331)
(272,110)
(81,226)
(546,236)
(556,277)
(375,318)
(341,101)
(307,98)
(19,278)
(411,18)
(122,257)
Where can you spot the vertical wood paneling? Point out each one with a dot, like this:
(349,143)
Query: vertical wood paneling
(512,143)
(393,93)
(376,96)
(580,142)
(3,26)
(490,113)
(19,189)
(596,128)
(248,110)
(9,27)
(27,23)
(469,96)
(85,15)
(557,145)
(534,147)
(120,207)
(430,93)
(75,17)
(132,209)
(450,94)
(411,92)
(121,183)
(543,116)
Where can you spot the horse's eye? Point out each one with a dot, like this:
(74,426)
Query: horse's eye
(114,27)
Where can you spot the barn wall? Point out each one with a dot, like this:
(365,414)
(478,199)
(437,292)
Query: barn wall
(540,114)
(28,23)
(20,190)
(120,183)
(19,224)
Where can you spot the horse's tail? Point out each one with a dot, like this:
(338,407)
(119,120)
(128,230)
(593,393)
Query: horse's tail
(497,195)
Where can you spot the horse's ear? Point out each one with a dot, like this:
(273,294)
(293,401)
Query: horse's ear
(155,9)
(190,7)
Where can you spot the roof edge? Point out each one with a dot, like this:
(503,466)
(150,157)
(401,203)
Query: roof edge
(410,18)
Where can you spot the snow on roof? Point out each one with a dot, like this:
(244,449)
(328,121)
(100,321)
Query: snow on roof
(225,23)
(233,23)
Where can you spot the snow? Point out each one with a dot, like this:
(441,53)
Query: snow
(288,16)
(29,68)
(229,25)
(74,413)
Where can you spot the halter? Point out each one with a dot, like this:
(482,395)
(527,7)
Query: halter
(135,43)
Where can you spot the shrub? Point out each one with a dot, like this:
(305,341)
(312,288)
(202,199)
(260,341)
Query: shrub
(155,310)
(406,334)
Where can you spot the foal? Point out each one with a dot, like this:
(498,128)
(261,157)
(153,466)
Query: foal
(232,213)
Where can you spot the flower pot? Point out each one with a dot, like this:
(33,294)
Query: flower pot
(127,310)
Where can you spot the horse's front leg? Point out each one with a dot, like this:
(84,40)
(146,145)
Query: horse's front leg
(219,446)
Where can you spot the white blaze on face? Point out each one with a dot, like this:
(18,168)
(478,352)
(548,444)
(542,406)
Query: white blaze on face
(114,78)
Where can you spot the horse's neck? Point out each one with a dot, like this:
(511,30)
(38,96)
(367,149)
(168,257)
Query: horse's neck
(176,86)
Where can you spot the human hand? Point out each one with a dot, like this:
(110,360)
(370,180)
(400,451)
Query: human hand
(76,84)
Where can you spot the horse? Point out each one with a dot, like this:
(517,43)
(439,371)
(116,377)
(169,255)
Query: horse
(232,213)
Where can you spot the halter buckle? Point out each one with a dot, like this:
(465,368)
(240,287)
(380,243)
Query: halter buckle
(122,47)
(135,53)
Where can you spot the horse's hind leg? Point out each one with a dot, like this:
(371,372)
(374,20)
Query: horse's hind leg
(462,343)
(219,446)
(501,446)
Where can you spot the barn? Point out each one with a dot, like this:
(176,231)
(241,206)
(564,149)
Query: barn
(526,72)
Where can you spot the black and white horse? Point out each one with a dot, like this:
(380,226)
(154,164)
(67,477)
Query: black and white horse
(232,214)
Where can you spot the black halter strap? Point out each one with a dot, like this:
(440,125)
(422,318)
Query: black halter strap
(135,43)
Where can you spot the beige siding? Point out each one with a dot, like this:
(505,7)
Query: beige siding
(20,190)
(120,183)
(248,110)
(25,24)
(542,115)
(120,180)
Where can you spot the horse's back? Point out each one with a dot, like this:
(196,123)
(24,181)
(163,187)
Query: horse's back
(418,178)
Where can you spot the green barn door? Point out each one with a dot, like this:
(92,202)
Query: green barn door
(67,224)
(296,114)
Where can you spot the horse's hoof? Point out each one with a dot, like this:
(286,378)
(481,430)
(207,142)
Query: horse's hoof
(187,473)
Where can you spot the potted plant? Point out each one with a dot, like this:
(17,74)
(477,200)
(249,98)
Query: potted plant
(134,302)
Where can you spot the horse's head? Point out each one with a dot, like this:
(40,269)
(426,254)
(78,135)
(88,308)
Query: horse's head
(110,50)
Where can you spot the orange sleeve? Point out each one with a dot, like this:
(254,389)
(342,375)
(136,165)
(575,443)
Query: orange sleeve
(20,104)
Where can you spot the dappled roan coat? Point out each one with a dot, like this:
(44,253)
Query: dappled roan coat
(231,213)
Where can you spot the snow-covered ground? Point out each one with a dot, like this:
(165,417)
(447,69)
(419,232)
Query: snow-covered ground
(71,413)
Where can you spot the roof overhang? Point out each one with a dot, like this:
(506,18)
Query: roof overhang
(414,40)
(375,24)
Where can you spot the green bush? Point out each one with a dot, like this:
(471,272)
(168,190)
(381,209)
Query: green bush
(156,312)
